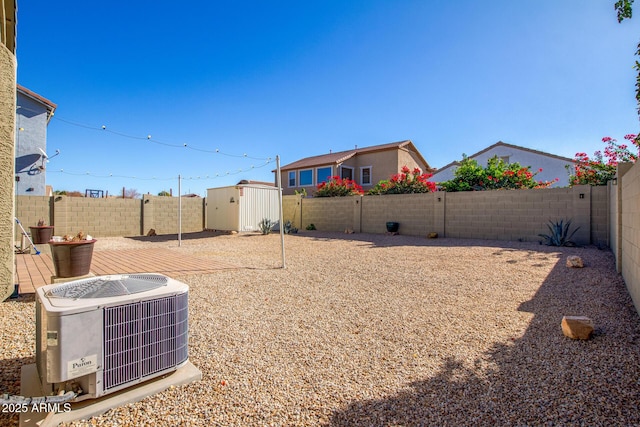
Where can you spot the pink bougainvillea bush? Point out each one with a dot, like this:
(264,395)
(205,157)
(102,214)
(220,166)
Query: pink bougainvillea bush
(337,187)
(405,182)
(599,169)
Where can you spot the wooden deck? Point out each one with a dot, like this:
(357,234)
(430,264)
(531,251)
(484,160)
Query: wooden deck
(34,271)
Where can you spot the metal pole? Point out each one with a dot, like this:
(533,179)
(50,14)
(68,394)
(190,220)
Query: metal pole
(279,184)
(179,212)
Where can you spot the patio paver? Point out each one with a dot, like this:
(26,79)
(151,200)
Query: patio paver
(34,271)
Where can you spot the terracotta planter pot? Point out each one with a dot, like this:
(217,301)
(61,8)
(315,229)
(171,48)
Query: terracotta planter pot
(72,259)
(41,233)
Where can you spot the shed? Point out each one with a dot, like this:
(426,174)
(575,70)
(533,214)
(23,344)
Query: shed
(241,207)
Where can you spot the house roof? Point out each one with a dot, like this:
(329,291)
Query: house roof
(341,156)
(504,144)
(251,182)
(445,167)
(41,99)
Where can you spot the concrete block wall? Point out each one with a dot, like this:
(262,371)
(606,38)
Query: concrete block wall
(331,213)
(292,210)
(30,209)
(500,215)
(101,217)
(96,217)
(507,215)
(629,255)
(600,200)
(414,212)
(161,214)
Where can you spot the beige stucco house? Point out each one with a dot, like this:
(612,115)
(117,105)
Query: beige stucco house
(366,166)
(552,166)
(8,80)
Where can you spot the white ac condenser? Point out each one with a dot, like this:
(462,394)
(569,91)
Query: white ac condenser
(107,333)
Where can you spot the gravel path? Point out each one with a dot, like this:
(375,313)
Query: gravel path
(378,330)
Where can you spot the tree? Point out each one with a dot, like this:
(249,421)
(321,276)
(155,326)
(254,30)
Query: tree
(624,10)
(164,193)
(600,169)
(130,193)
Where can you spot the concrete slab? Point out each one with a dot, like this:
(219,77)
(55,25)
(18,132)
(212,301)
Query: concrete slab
(30,386)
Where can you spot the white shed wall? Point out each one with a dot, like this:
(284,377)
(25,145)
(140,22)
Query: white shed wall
(251,204)
(257,203)
(221,213)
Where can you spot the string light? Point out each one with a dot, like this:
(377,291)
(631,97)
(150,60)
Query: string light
(199,178)
(155,141)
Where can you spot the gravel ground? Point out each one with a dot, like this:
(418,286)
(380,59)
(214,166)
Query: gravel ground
(379,330)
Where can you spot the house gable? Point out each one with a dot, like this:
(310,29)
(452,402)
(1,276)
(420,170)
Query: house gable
(370,164)
(553,166)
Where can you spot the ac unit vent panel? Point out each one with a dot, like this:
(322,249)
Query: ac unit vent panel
(108,286)
(143,338)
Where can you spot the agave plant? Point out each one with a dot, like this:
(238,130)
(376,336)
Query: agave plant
(266,225)
(560,235)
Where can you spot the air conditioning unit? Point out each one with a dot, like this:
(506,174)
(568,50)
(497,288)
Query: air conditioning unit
(107,333)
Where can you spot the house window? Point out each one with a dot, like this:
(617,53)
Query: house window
(292,178)
(365,175)
(505,159)
(346,172)
(323,174)
(306,177)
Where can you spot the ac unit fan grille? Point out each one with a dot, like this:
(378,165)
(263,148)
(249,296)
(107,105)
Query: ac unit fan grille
(144,338)
(109,286)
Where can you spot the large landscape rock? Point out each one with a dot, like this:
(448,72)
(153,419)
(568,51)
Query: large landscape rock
(574,261)
(577,327)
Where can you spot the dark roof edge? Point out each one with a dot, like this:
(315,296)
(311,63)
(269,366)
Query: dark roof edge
(31,94)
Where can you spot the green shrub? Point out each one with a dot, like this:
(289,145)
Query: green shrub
(289,228)
(470,176)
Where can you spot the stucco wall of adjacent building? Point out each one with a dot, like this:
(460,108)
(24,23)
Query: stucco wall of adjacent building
(7,154)
(31,135)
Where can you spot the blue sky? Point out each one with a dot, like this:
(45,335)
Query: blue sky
(297,79)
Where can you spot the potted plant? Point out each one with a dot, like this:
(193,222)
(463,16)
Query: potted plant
(72,254)
(41,233)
